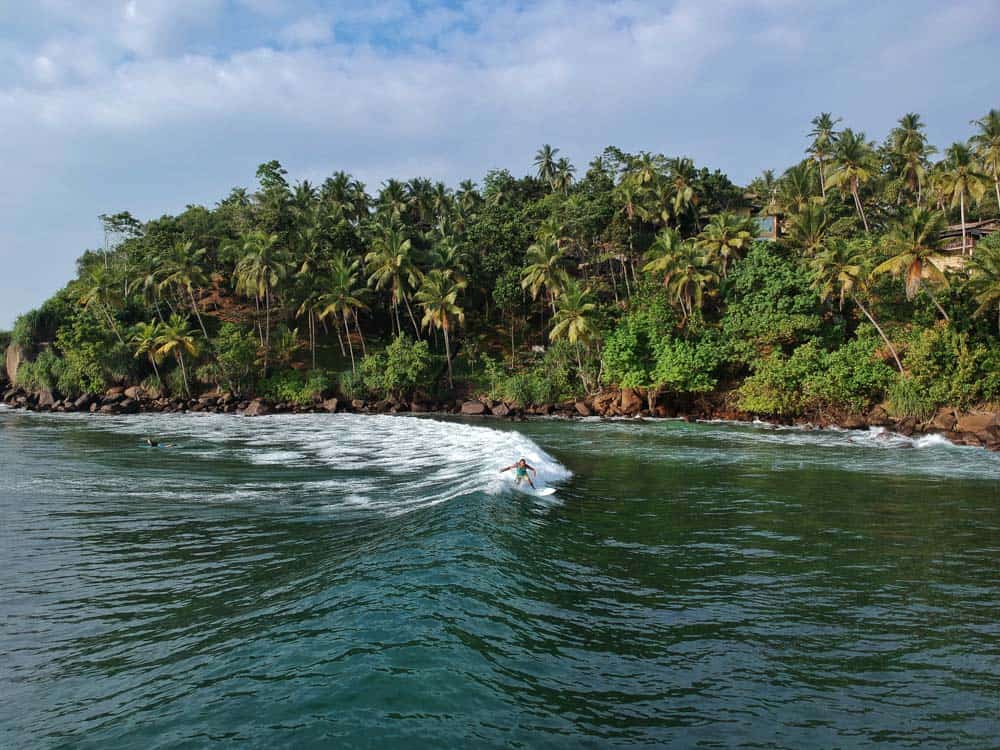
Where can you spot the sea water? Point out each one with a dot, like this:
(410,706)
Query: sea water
(352,581)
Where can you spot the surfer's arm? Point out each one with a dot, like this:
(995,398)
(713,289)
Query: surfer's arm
(532,468)
(507,468)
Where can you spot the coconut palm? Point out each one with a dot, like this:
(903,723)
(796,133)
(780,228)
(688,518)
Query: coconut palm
(797,188)
(259,271)
(438,295)
(681,178)
(987,146)
(809,229)
(914,244)
(182,269)
(824,139)
(960,181)
(176,338)
(562,180)
(686,271)
(544,269)
(545,161)
(662,253)
(392,264)
(393,201)
(310,305)
(100,292)
(909,147)
(647,168)
(345,298)
(725,237)
(984,280)
(841,270)
(145,338)
(574,321)
(853,166)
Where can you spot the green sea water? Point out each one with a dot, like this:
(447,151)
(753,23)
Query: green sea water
(372,582)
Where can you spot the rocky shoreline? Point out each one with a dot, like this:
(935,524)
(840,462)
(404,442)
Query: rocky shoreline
(975,428)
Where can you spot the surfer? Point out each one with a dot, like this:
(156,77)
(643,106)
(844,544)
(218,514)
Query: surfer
(154,444)
(521,469)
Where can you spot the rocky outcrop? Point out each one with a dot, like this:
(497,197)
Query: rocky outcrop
(473,408)
(14,357)
(582,409)
(631,403)
(330,405)
(257,408)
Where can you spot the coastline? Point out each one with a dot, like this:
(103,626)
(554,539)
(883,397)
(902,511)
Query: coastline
(980,429)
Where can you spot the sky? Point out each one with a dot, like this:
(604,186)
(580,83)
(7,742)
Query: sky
(152,105)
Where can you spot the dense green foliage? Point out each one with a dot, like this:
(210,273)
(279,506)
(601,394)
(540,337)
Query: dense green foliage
(643,271)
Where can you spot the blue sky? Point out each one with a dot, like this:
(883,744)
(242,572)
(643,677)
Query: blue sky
(149,105)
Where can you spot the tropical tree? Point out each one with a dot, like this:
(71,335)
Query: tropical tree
(914,245)
(392,264)
(574,321)
(725,237)
(311,305)
(824,139)
(182,269)
(960,181)
(562,180)
(176,338)
(842,270)
(544,269)
(797,188)
(681,178)
(259,271)
(100,292)
(853,166)
(987,146)
(812,226)
(686,271)
(145,340)
(345,298)
(545,162)
(908,144)
(984,279)
(438,295)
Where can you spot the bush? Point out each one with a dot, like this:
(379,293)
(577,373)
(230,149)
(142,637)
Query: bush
(235,364)
(403,367)
(687,366)
(296,387)
(94,358)
(351,385)
(44,372)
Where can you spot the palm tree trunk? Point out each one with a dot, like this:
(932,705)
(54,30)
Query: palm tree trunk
(822,179)
(180,361)
(197,314)
(267,327)
(996,185)
(881,333)
(861,209)
(312,337)
(447,350)
(156,370)
(357,326)
(347,332)
(111,322)
(409,312)
(938,306)
(961,201)
(340,340)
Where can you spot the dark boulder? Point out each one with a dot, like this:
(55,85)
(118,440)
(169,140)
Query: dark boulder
(46,399)
(258,407)
(582,409)
(128,406)
(631,403)
(473,408)
(330,405)
(500,410)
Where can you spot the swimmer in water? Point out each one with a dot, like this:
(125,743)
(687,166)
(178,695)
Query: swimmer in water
(521,469)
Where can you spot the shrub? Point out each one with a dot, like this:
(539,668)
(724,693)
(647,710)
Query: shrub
(686,366)
(351,385)
(404,366)
(43,372)
(908,398)
(296,387)
(234,366)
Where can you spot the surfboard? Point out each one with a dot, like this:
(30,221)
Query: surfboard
(538,492)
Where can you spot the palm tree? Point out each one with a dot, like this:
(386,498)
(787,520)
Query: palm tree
(562,180)
(915,244)
(176,338)
(100,291)
(961,182)
(824,139)
(853,166)
(183,271)
(545,161)
(797,188)
(545,269)
(392,200)
(438,295)
(842,270)
(311,305)
(685,199)
(392,264)
(984,279)
(687,273)
(258,272)
(574,321)
(987,145)
(726,236)
(908,144)
(345,299)
(809,229)
(145,338)
(647,168)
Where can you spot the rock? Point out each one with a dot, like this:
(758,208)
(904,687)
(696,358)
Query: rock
(473,407)
(330,405)
(630,403)
(113,398)
(128,406)
(84,401)
(357,404)
(975,422)
(15,356)
(878,417)
(258,407)
(418,407)
(582,409)
(118,390)
(944,420)
(46,400)
(135,392)
(108,409)
(852,422)
(500,410)
(906,426)
(545,409)
(662,411)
